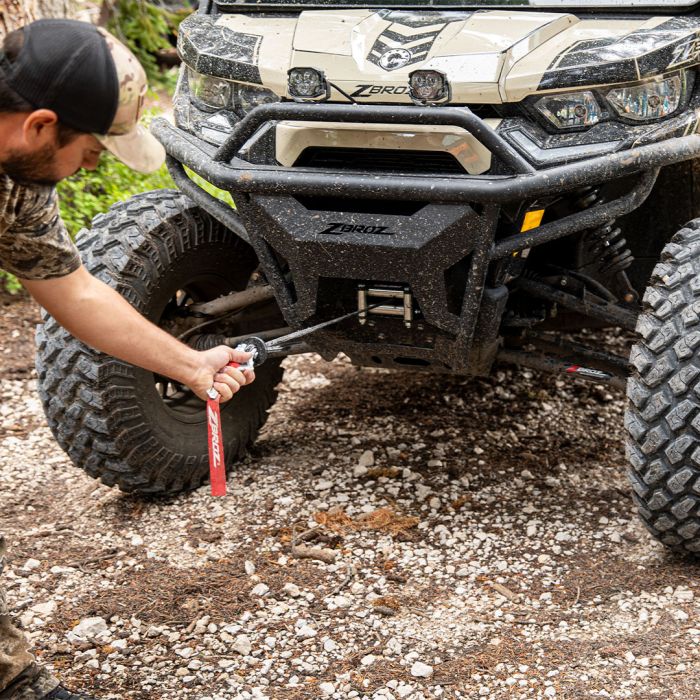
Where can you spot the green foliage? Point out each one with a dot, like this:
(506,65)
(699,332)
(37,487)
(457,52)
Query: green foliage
(88,193)
(146,29)
(223,195)
(9,282)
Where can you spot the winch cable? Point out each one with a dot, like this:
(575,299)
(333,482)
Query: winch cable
(259,350)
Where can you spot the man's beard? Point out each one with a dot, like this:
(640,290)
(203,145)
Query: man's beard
(31,168)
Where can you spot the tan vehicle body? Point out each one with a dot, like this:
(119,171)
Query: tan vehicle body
(491,57)
(488,57)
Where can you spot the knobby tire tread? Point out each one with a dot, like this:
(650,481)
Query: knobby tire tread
(90,398)
(663,413)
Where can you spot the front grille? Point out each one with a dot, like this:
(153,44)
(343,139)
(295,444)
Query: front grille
(380,160)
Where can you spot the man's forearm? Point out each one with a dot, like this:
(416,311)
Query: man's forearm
(100,317)
(96,314)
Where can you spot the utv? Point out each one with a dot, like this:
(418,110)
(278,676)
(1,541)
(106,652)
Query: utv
(479,181)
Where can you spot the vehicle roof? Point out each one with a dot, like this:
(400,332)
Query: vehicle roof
(577,6)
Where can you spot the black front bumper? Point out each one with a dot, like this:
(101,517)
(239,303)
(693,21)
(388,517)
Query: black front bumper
(315,259)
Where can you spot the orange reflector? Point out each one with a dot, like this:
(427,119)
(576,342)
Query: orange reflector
(532,220)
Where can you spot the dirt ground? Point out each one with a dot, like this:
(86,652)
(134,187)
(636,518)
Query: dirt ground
(484,539)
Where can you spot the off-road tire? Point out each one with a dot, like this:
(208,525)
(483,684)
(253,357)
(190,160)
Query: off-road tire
(663,413)
(106,414)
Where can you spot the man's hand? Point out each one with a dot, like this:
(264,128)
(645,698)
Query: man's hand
(214,372)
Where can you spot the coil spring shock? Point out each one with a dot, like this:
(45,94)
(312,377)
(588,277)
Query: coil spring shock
(606,244)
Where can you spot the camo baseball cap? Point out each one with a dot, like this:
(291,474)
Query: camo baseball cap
(93,83)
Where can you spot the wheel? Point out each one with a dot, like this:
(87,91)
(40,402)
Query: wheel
(663,412)
(123,424)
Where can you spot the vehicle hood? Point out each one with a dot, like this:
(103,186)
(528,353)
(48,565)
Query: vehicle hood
(488,56)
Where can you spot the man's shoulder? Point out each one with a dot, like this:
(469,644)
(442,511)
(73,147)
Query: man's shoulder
(17,201)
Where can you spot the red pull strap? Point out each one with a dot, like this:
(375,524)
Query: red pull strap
(217,465)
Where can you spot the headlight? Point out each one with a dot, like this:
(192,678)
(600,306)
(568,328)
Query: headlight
(573,110)
(211,92)
(216,93)
(246,97)
(655,99)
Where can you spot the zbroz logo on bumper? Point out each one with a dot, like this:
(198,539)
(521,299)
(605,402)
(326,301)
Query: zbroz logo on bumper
(368,90)
(337,229)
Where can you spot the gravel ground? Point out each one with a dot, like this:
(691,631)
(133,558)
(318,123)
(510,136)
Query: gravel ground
(479,541)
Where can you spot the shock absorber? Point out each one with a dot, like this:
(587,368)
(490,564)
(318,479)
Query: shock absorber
(604,251)
(609,248)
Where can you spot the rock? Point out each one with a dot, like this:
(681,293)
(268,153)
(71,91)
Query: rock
(62,569)
(242,645)
(306,632)
(329,645)
(323,485)
(249,568)
(327,688)
(683,595)
(89,628)
(31,564)
(44,609)
(260,590)
(421,670)
(292,590)
(366,459)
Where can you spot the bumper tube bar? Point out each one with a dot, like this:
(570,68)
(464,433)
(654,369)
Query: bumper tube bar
(580,221)
(243,177)
(218,209)
(374,114)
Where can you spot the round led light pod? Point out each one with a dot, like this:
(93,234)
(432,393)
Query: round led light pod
(428,86)
(307,83)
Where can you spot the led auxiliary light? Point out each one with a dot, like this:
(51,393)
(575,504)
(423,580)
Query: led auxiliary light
(307,83)
(428,86)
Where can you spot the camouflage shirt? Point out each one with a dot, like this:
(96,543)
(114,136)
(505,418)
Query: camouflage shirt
(34,243)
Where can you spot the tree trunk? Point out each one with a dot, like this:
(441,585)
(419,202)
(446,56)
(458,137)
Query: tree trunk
(15,13)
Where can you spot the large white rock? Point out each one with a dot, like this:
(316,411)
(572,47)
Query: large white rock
(366,459)
(421,670)
(44,609)
(88,629)
(242,645)
(306,632)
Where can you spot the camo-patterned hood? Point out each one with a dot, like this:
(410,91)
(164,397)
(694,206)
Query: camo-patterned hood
(487,56)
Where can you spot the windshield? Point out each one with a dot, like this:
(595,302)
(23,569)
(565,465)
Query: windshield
(665,6)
